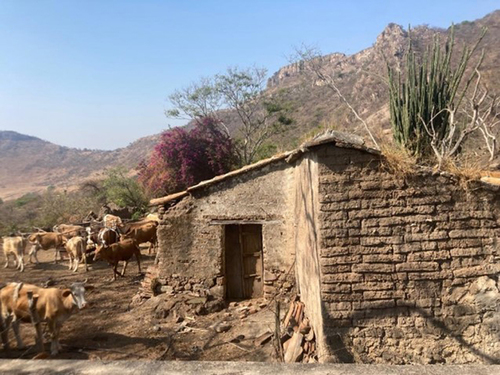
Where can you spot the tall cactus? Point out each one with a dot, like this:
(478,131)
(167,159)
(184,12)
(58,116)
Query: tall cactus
(424,92)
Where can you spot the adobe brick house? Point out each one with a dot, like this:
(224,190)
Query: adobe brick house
(391,269)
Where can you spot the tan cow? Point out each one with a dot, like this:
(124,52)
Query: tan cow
(141,232)
(70,230)
(14,246)
(111,221)
(76,247)
(45,241)
(54,306)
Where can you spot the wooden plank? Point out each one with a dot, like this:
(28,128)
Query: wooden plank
(244,222)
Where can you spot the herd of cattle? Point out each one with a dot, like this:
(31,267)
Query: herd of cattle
(109,240)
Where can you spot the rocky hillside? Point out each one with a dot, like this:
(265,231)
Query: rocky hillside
(361,78)
(29,164)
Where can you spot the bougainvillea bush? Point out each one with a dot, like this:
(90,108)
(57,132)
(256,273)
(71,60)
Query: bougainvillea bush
(183,158)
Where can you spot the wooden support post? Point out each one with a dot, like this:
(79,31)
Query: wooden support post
(277,332)
(35,320)
(3,331)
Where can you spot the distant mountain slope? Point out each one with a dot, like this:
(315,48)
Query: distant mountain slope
(29,164)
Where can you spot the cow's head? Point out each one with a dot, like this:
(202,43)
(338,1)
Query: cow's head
(98,251)
(34,237)
(77,291)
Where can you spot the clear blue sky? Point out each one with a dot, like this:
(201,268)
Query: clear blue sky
(97,73)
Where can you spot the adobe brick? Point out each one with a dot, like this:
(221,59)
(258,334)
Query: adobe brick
(373,268)
(417,266)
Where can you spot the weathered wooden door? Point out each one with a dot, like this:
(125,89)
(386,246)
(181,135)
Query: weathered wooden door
(243,261)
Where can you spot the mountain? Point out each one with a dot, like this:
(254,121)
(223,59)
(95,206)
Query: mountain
(29,164)
(361,78)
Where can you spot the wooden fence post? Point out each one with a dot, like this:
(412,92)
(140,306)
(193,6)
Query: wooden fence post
(35,320)
(3,331)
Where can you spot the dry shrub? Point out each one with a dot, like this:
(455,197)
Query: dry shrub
(465,170)
(398,161)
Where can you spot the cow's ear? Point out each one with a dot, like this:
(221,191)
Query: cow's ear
(66,293)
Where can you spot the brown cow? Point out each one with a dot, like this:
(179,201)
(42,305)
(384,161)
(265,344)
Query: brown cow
(76,247)
(45,241)
(54,306)
(14,246)
(141,232)
(116,252)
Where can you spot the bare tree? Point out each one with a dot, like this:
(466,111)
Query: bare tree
(312,61)
(480,114)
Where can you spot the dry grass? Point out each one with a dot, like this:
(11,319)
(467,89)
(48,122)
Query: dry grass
(398,161)
(465,170)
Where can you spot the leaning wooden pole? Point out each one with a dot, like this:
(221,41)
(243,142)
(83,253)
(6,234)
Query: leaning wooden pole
(35,320)
(3,331)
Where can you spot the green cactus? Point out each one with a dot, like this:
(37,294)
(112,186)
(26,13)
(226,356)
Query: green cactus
(424,92)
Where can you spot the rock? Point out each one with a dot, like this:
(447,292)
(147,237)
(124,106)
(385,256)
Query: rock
(263,338)
(270,277)
(156,328)
(215,306)
(197,301)
(167,289)
(222,327)
(217,291)
(209,283)
(233,304)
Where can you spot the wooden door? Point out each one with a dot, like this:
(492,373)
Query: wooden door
(243,261)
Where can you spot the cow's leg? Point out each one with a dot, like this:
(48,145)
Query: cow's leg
(115,272)
(54,347)
(15,328)
(6,261)
(77,263)
(55,255)
(124,267)
(70,264)
(138,257)
(33,251)
(20,263)
(84,256)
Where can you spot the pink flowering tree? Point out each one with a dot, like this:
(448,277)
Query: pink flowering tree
(183,158)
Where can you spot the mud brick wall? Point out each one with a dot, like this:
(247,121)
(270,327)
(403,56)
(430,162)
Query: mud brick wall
(191,242)
(409,267)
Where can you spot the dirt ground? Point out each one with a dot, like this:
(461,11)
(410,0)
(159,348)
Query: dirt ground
(111,328)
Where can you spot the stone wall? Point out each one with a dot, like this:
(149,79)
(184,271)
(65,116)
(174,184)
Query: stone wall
(409,267)
(191,233)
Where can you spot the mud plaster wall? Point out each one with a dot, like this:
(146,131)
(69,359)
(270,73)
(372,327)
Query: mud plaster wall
(192,245)
(306,243)
(409,269)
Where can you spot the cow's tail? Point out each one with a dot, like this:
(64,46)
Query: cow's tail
(17,289)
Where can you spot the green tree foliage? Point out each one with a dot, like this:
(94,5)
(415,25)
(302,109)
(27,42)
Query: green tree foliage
(241,91)
(425,96)
(124,191)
